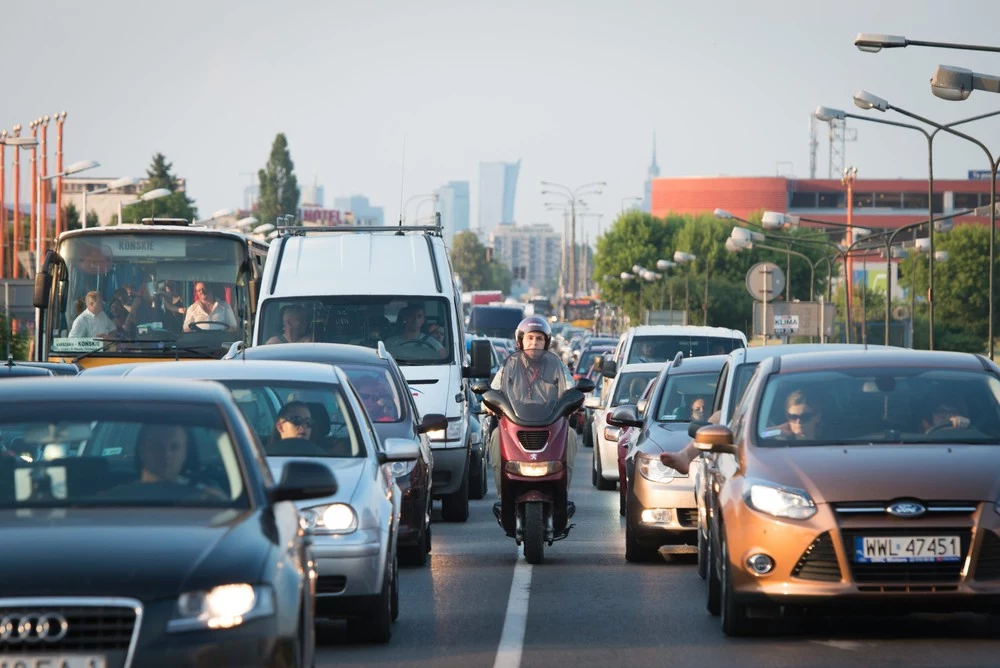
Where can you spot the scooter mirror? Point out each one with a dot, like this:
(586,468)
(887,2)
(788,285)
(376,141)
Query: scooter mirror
(480,387)
(585,385)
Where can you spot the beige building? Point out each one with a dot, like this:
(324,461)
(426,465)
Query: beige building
(533,253)
(105,205)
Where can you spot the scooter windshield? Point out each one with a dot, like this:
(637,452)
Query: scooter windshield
(533,382)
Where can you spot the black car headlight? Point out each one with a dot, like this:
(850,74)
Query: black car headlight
(221,607)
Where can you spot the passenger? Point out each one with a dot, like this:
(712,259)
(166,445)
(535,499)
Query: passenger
(294,421)
(93,322)
(161,456)
(295,326)
(412,337)
(173,306)
(140,306)
(647,352)
(802,418)
(698,409)
(946,415)
(207,308)
(378,400)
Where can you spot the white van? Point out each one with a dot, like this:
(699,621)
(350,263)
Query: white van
(362,285)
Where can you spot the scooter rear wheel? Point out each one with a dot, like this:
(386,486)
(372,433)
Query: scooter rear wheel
(534,532)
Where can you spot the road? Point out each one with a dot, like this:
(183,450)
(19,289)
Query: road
(586,606)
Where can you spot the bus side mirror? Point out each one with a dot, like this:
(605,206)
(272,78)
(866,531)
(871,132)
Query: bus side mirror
(43,287)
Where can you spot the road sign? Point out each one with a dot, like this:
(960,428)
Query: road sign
(786,324)
(765,281)
(980,174)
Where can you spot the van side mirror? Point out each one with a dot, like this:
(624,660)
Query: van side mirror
(482,363)
(610,369)
(715,438)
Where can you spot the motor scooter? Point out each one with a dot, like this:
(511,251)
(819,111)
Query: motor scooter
(533,411)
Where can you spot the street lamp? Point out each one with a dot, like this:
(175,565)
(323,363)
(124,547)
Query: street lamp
(221,213)
(625,278)
(76,167)
(123,182)
(873,43)
(573,198)
(957,83)
(866,100)
(664,266)
(680,257)
(149,196)
(244,223)
(17,142)
(629,199)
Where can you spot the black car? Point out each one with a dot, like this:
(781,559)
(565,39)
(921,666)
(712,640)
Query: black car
(384,393)
(148,530)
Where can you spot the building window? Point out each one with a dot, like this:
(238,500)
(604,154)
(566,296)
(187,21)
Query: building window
(914,200)
(888,200)
(864,200)
(967,200)
(832,200)
(802,201)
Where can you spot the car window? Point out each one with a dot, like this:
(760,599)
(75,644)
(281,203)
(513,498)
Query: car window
(327,428)
(378,393)
(135,454)
(720,389)
(740,381)
(880,406)
(738,420)
(665,348)
(629,387)
(686,396)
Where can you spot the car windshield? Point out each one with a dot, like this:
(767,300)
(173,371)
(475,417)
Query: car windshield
(587,357)
(879,406)
(665,348)
(379,394)
(416,330)
(629,387)
(533,385)
(114,454)
(687,396)
(298,419)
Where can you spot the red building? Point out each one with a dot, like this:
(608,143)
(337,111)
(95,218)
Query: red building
(877,202)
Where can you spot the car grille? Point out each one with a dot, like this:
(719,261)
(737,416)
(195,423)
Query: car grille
(687,517)
(88,629)
(533,440)
(935,508)
(331,584)
(988,563)
(819,561)
(907,574)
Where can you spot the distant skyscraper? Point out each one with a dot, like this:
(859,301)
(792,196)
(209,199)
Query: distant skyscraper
(497,189)
(313,195)
(453,204)
(654,171)
(363,212)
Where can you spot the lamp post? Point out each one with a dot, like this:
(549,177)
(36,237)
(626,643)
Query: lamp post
(43,199)
(873,43)
(625,278)
(123,182)
(680,257)
(664,266)
(828,114)
(81,166)
(572,197)
(649,277)
(17,143)
(637,272)
(149,196)
(629,199)
(60,118)
(866,100)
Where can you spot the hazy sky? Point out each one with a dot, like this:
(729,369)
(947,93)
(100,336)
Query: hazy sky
(575,89)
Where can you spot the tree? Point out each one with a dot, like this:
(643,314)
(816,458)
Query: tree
(176,205)
(17,343)
(71,217)
(92,219)
(468,259)
(279,189)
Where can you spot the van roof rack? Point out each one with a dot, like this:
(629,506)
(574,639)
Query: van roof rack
(178,222)
(296,230)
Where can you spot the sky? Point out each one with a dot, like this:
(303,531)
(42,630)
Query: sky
(575,89)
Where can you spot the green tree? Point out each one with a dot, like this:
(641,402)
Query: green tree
(279,189)
(468,259)
(17,343)
(176,205)
(71,217)
(92,219)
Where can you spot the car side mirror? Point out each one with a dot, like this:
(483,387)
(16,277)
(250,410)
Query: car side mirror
(481,357)
(625,416)
(400,449)
(480,387)
(640,406)
(302,480)
(715,438)
(592,402)
(610,369)
(431,422)
(585,385)
(695,426)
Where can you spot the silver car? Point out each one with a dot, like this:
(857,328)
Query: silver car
(354,531)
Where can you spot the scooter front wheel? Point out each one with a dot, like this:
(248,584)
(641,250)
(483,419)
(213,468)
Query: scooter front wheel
(534,532)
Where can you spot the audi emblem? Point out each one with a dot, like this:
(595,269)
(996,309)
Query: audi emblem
(32,628)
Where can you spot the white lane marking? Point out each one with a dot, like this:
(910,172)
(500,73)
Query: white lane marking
(848,645)
(516,621)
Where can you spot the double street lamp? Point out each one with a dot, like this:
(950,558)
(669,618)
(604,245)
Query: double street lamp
(40,219)
(572,198)
(680,257)
(117,184)
(17,142)
(156,193)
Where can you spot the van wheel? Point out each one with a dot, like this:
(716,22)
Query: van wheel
(455,507)
(478,477)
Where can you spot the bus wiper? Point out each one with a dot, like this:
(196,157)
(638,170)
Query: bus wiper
(189,349)
(105,348)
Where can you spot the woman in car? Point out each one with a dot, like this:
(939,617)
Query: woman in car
(378,400)
(802,419)
(291,436)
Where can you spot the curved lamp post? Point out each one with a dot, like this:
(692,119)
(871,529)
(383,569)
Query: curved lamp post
(156,193)
(117,184)
(680,257)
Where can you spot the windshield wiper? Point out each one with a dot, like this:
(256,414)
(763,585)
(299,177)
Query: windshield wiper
(104,348)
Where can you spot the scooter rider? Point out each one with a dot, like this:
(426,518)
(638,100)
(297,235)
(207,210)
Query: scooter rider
(532,336)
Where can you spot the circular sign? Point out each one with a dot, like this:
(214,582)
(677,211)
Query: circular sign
(765,281)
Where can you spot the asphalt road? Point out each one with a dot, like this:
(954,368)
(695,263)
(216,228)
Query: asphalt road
(586,606)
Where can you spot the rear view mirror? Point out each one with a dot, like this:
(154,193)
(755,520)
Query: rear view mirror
(481,360)
(302,480)
(585,385)
(432,422)
(43,286)
(695,426)
(610,369)
(715,438)
(400,450)
(625,416)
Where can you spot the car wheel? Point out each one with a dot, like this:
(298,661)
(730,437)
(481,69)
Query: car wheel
(427,538)
(455,507)
(621,504)
(712,602)
(734,614)
(600,482)
(702,555)
(588,436)
(413,555)
(377,626)
(477,480)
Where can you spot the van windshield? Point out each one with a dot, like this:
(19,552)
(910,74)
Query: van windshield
(665,348)
(415,330)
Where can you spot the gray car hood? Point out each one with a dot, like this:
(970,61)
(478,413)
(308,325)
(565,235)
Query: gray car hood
(660,437)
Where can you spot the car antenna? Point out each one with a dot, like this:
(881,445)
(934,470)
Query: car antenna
(402,174)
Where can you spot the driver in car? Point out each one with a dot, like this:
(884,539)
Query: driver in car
(207,308)
(412,338)
(161,453)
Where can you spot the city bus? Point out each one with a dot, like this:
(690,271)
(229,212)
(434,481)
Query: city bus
(151,268)
(582,312)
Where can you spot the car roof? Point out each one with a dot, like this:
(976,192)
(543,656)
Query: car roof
(20,371)
(324,353)
(82,388)
(699,364)
(57,368)
(758,353)
(686,330)
(642,366)
(270,370)
(898,357)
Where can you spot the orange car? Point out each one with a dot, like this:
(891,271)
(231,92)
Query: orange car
(862,479)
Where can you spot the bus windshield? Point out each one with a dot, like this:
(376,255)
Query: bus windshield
(134,291)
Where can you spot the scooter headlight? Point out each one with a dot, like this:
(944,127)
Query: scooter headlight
(534,469)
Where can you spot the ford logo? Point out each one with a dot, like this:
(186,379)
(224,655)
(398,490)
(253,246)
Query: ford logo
(906,509)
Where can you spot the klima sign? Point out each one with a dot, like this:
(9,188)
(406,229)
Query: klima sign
(786,324)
